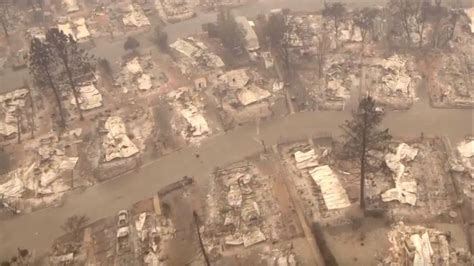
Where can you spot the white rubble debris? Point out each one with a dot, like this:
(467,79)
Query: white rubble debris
(196,53)
(134,67)
(144,82)
(405,190)
(81,28)
(252,94)
(253,237)
(7,130)
(13,188)
(334,194)
(71,6)
(251,39)
(237,78)
(197,121)
(89,97)
(136,17)
(234,197)
(423,249)
(66,29)
(185,47)
(466,149)
(117,144)
(278,86)
(9,104)
(306,159)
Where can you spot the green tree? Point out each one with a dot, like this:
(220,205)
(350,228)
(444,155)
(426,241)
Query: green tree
(362,135)
(75,61)
(131,44)
(335,12)
(43,68)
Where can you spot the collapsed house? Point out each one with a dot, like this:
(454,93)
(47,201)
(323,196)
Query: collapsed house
(405,186)
(193,54)
(243,94)
(250,37)
(188,117)
(77,29)
(11,106)
(453,86)
(89,97)
(419,245)
(174,11)
(320,187)
(135,17)
(47,177)
(133,75)
(240,211)
(117,144)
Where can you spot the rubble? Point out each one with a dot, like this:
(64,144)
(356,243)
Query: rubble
(405,187)
(81,29)
(172,11)
(195,53)
(419,245)
(334,194)
(71,6)
(135,17)
(10,103)
(117,144)
(144,82)
(306,159)
(251,39)
(89,97)
(252,94)
(189,118)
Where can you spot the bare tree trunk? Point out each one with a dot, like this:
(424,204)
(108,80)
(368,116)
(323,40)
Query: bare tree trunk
(75,93)
(18,124)
(4,26)
(57,97)
(32,110)
(362,164)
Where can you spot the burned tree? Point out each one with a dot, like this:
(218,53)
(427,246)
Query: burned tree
(160,37)
(131,44)
(336,13)
(323,46)
(362,136)
(277,31)
(364,20)
(74,224)
(5,15)
(75,61)
(44,68)
(229,31)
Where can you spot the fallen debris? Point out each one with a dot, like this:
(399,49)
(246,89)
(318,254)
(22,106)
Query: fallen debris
(405,188)
(419,245)
(334,194)
(117,144)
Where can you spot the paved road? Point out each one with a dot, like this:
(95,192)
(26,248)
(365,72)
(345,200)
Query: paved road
(37,230)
